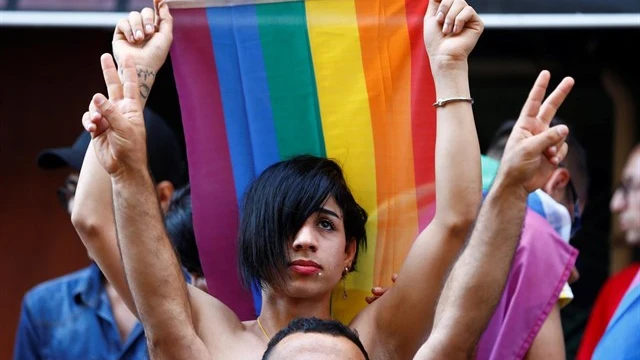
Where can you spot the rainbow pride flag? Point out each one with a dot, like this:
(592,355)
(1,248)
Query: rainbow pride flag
(261,81)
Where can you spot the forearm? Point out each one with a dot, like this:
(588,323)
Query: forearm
(151,267)
(93,220)
(475,284)
(458,173)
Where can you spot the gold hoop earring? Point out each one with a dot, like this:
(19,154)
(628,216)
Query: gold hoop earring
(344,282)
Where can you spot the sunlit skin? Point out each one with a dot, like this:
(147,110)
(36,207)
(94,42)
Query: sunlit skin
(314,346)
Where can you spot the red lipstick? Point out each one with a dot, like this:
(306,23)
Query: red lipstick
(305,267)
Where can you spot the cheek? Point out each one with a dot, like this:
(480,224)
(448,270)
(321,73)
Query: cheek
(634,205)
(334,258)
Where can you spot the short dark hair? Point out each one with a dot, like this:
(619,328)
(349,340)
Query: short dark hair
(575,162)
(316,326)
(179,224)
(277,204)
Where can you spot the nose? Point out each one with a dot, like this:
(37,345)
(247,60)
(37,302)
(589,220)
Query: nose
(617,201)
(306,239)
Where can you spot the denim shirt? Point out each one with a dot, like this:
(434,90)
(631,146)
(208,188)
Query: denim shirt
(70,318)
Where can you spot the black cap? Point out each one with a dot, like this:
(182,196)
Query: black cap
(66,156)
(163,151)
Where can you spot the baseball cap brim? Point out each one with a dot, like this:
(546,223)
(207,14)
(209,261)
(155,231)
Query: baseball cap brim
(60,157)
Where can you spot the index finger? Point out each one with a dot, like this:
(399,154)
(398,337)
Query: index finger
(111,78)
(536,95)
(164,20)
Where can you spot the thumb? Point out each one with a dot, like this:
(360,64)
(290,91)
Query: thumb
(165,20)
(549,138)
(108,111)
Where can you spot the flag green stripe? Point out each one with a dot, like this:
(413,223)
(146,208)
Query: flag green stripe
(291,78)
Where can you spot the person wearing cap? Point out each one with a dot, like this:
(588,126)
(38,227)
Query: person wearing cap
(80,315)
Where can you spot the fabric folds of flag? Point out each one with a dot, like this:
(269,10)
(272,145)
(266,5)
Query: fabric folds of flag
(262,81)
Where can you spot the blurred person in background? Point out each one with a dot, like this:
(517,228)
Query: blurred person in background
(80,315)
(613,330)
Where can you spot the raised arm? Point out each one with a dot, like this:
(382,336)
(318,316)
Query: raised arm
(146,37)
(404,315)
(478,277)
(152,270)
(92,217)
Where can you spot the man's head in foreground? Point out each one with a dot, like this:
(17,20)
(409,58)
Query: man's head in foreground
(626,198)
(315,339)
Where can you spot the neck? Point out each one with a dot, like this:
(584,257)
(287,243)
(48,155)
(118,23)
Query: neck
(278,310)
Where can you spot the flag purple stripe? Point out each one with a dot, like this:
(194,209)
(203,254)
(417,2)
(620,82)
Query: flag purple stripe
(214,201)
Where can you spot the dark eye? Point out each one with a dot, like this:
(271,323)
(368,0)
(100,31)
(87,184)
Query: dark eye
(326,224)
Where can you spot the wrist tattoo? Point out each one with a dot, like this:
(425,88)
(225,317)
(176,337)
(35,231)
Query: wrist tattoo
(145,79)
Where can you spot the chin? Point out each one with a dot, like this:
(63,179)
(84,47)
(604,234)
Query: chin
(306,289)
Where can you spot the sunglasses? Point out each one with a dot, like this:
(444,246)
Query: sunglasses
(576,223)
(626,187)
(66,192)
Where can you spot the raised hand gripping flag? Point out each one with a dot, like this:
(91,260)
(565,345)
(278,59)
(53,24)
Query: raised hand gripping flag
(261,81)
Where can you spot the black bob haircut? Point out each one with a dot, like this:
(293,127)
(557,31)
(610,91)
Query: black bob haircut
(277,204)
(316,326)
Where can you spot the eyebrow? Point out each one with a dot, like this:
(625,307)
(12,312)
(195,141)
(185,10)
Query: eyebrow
(328,212)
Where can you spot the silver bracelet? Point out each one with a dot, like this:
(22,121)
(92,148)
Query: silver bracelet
(443,102)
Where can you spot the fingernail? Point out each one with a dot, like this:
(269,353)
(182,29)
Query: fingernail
(455,29)
(376,289)
(563,130)
(553,149)
(99,100)
(445,28)
(440,16)
(139,34)
(149,28)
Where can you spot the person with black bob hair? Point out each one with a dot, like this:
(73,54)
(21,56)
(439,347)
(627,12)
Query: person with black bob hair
(277,205)
(313,338)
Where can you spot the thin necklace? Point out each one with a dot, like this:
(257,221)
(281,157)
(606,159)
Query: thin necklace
(263,331)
